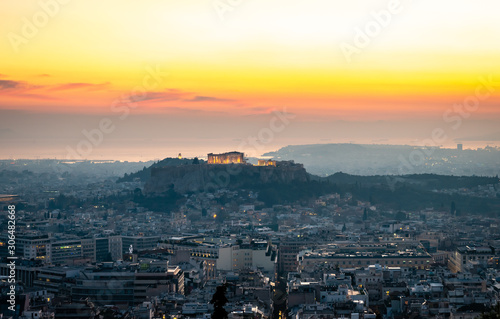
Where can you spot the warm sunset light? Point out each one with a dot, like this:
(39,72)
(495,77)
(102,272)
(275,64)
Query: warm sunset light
(66,64)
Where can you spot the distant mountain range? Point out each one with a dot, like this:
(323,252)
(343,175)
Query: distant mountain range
(359,159)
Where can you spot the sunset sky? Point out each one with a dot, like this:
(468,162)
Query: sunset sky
(226,65)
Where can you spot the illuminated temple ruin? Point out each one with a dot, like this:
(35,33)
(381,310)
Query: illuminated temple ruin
(266,163)
(226,158)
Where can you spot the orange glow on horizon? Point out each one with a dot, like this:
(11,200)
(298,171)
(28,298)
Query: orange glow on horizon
(84,62)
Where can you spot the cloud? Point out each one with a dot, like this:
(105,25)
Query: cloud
(79,85)
(176,95)
(200,98)
(17,86)
(268,110)
(262,109)
(23,89)
(167,95)
(37,96)
(8,84)
(44,75)
(187,111)
(180,109)
(3,75)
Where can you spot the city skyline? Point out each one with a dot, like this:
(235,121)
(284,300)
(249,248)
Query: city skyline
(231,159)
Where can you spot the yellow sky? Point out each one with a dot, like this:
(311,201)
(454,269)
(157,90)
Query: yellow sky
(250,56)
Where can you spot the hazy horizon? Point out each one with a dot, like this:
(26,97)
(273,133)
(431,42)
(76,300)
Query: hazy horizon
(188,77)
(141,153)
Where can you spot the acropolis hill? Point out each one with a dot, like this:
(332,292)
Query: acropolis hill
(207,177)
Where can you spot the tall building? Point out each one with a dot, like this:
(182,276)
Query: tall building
(287,254)
(64,249)
(105,286)
(34,247)
(138,243)
(464,258)
(256,255)
(98,249)
(206,253)
(155,279)
(48,249)
(53,279)
(127,285)
(226,158)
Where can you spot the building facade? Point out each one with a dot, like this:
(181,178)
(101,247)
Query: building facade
(464,258)
(403,260)
(254,255)
(226,158)
(266,163)
(137,243)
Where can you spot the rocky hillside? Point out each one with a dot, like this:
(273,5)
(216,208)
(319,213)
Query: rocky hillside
(144,174)
(205,177)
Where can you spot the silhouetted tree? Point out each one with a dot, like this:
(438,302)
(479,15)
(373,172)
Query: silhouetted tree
(493,314)
(219,300)
(196,161)
(365,215)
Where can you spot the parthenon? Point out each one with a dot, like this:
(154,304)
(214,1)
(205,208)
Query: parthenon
(226,158)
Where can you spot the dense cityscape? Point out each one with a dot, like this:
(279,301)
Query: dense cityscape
(97,248)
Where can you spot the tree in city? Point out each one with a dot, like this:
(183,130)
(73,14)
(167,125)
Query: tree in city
(219,300)
(493,314)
